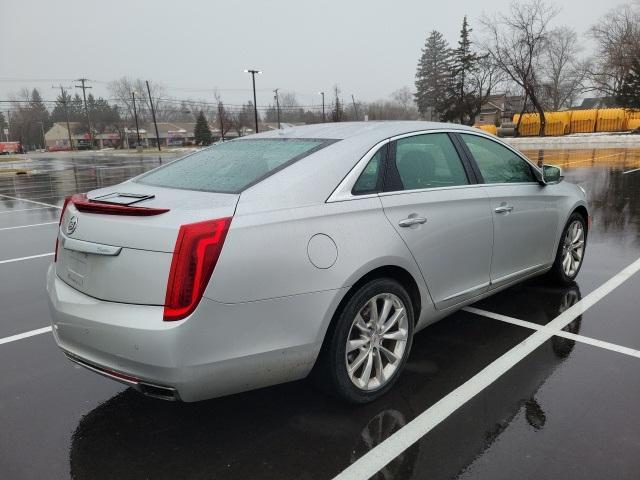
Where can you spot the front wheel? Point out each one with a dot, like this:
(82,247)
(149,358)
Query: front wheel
(570,253)
(370,342)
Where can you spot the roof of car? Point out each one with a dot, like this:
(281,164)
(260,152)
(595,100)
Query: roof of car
(343,130)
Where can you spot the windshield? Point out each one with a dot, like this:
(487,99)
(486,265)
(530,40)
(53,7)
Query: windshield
(233,166)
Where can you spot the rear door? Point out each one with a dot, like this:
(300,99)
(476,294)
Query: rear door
(524,218)
(444,218)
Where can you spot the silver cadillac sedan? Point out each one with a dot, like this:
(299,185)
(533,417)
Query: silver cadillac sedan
(317,250)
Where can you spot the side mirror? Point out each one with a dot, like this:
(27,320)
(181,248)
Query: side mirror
(551,174)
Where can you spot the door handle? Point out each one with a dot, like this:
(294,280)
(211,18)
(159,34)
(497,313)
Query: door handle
(407,222)
(503,209)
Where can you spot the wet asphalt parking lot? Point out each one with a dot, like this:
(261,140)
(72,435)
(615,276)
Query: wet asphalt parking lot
(535,382)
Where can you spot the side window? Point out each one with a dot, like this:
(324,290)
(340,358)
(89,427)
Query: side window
(429,161)
(497,163)
(368,180)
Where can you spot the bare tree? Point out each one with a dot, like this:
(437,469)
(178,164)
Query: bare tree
(617,37)
(401,106)
(120,91)
(222,117)
(485,77)
(517,41)
(563,71)
(404,97)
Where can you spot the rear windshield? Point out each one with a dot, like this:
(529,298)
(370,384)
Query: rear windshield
(233,166)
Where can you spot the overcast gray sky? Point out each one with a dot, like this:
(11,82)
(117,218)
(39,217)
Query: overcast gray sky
(369,48)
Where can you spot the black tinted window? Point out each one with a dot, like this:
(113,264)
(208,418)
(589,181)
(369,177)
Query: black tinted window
(429,161)
(496,162)
(232,166)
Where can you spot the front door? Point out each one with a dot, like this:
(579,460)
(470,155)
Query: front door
(524,218)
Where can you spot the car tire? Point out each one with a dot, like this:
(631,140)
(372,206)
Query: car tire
(338,371)
(559,272)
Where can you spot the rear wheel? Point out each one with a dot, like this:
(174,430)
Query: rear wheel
(570,253)
(369,346)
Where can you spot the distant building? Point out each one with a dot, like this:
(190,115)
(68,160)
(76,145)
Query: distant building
(499,108)
(57,137)
(596,102)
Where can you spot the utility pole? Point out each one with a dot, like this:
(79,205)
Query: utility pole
(221,119)
(324,119)
(8,123)
(86,110)
(63,96)
(255,105)
(135,114)
(277,105)
(153,114)
(44,140)
(355,107)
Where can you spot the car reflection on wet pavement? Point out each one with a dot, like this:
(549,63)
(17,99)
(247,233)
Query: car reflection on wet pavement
(566,410)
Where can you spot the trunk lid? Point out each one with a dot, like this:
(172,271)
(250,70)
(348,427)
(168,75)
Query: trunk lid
(124,258)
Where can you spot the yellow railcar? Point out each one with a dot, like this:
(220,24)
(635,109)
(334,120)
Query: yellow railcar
(583,121)
(611,120)
(492,129)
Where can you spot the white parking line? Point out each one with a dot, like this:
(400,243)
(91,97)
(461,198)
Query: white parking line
(26,209)
(27,226)
(31,201)
(20,336)
(11,260)
(376,458)
(560,333)
(631,171)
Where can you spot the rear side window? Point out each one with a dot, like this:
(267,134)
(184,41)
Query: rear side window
(232,166)
(368,182)
(429,161)
(496,162)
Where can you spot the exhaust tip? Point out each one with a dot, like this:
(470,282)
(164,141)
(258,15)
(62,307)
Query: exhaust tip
(156,391)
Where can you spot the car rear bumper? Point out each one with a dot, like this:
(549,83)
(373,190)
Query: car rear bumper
(220,349)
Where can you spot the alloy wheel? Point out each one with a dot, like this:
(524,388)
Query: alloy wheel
(573,249)
(377,341)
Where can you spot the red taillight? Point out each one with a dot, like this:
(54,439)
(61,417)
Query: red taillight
(64,208)
(83,204)
(195,255)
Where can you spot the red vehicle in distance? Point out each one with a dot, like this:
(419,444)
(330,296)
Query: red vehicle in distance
(10,147)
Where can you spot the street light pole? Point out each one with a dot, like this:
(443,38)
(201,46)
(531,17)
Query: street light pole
(135,114)
(255,105)
(277,106)
(324,119)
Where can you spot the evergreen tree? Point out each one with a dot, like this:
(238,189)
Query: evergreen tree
(433,76)
(202,132)
(58,112)
(337,113)
(629,96)
(460,99)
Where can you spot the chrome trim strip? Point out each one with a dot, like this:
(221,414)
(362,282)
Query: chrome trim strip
(172,393)
(98,370)
(468,291)
(524,271)
(343,190)
(89,247)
